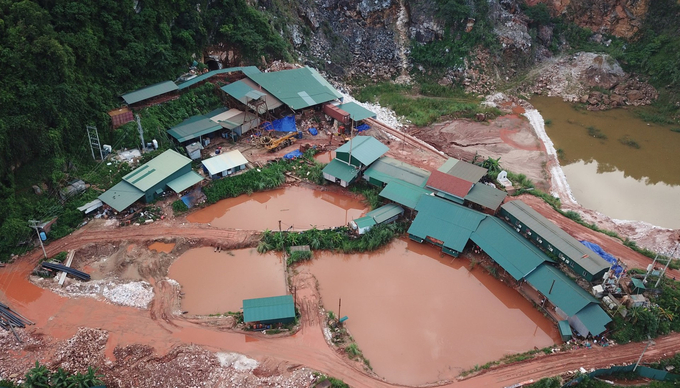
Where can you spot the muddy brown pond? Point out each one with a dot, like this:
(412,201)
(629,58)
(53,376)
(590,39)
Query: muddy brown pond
(615,162)
(420,316)
(298,208)
(217,282)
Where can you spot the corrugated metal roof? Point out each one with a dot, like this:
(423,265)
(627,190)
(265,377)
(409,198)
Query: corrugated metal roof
(565,329)
(385,212)
(449,184)
(507,248)
(356,111)
(185,181)
(223,162)
(403,193)
(446,221)
(246,90)
(149,92)
(485,195)
(341,170)
(594,319)
(364,222)
(268,309)
(387,169)
(566,294)
(246,70)
(365,149)
(463,170)
(155,170)
(121,196)
(196,126)
(574,250)
(297,88)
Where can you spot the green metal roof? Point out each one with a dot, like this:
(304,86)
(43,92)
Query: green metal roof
(196,126)
(149,92)
(341,170)
(248,70)
(403,193)
(565,294)
(565,329)
(485,195)
(551,233)
(267,309)
(185,181)
(387,169)
(637,283)
(508,248)
(155,170)
(365,222)
(463,170)
(446,221)
(356,111)
(594,319)
(365,149)
(297,88)
(380,215)
(121,196)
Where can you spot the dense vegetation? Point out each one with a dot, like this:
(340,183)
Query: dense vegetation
(41,377)
(65,63)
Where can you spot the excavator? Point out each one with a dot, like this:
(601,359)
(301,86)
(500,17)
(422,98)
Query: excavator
(273,144)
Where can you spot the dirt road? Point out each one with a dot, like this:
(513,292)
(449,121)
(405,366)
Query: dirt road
(307,348)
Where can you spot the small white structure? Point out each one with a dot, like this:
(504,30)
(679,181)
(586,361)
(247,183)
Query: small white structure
(194,150)
(224,164)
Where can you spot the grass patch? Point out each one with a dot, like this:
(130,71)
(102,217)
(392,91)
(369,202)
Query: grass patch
(425,104)
(507,360)
(548,122)
(336,239)
(675,130)
(298,256)
(370,193)
(179,207)
(596,133)
(629,142)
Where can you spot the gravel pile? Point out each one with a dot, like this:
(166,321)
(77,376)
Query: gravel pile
(385,115)
(84,349)
(132,294)
(237,361)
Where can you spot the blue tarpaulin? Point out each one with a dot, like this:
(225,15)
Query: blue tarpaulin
(293,155)
(286,124)
(313,131)
(363,127)
(610,259)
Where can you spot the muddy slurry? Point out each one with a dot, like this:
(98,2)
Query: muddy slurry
(298,208)
(421,317)
(217,282)
(160,246)
(325,157)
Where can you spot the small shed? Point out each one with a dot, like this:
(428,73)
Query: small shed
(224,164)
(194,150)
(340,172)
(382,215)
(274,309)
(565,330)
(637,286)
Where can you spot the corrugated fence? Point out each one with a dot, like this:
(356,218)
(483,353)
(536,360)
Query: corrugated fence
(643,371)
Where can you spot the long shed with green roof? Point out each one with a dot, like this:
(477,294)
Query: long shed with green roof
(444,224)
(298,88)
(404,193)
(274,309)
(149,92)
(382,215)
(511,251)
(361,151)
(167,170)
(542,232)
(386,169)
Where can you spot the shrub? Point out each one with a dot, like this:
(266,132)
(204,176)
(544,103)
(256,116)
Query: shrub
(179,207)
(60,257)
(629,142)
(596,133)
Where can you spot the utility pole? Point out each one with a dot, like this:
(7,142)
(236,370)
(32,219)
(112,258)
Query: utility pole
(670,258)
(34,224)
(652,268)
(339,305)
(141,132)
(649,342)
